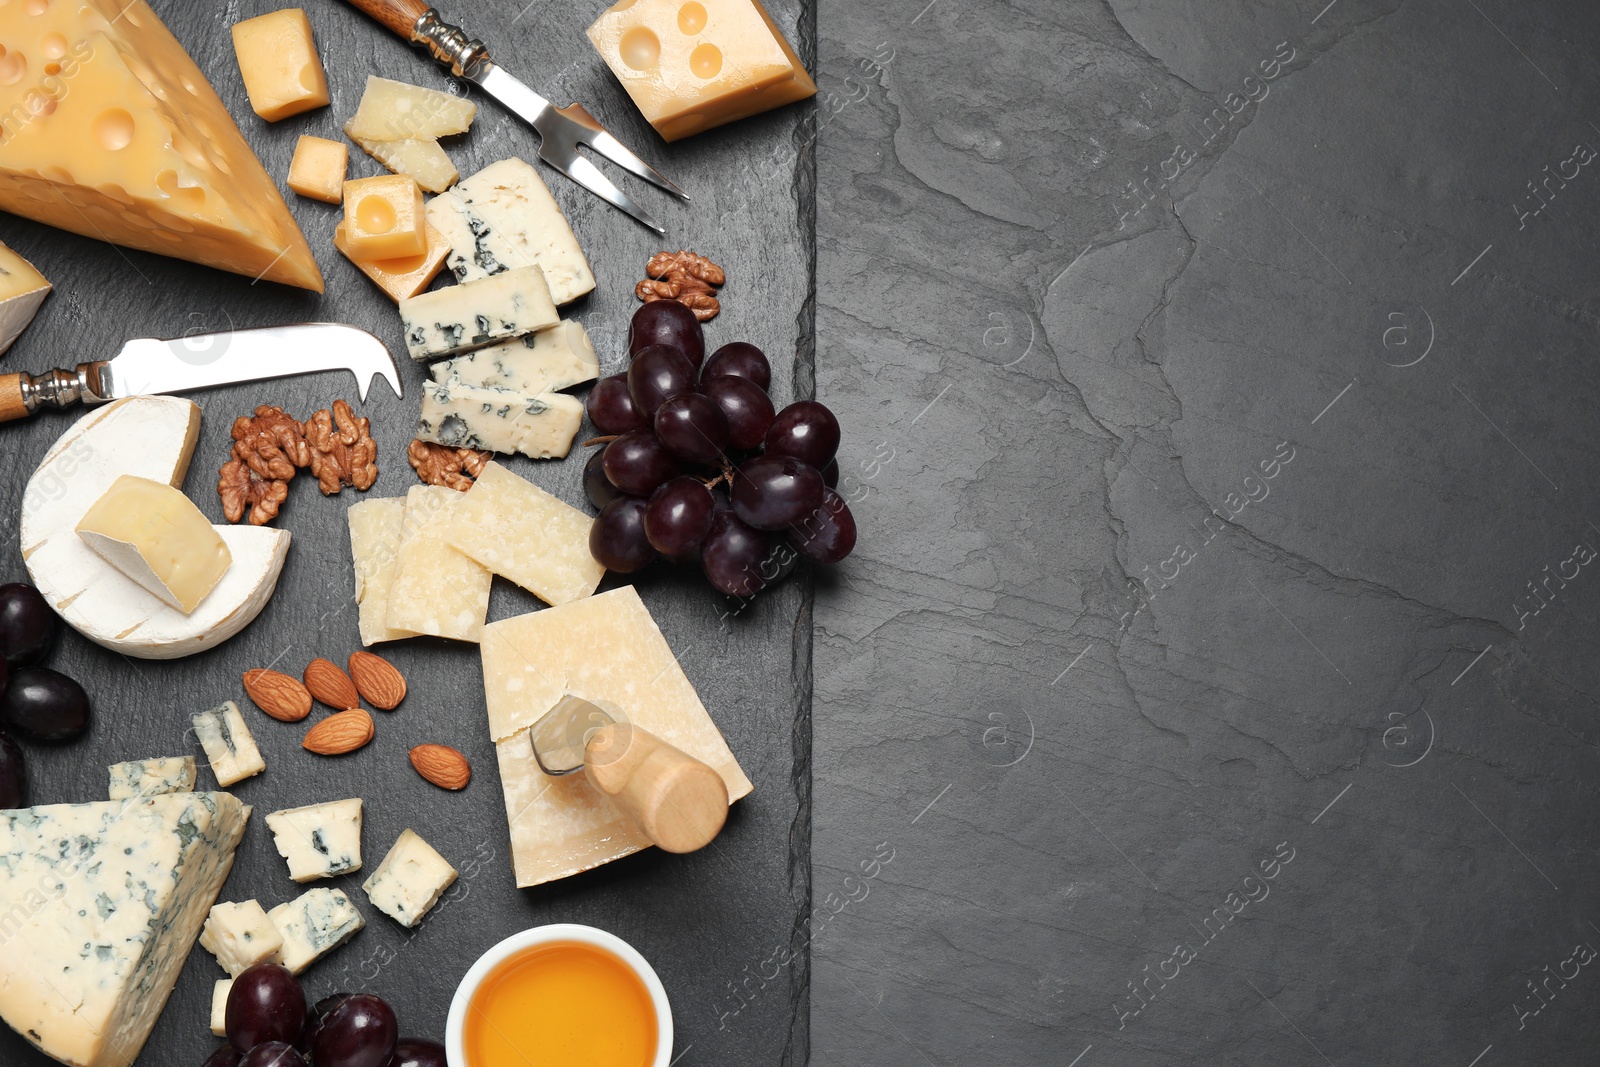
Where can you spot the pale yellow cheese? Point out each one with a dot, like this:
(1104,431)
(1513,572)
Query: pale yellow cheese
(406,276)
(437,590)
(396,111)
(691,66)
(521,532)
(383,218)
(278,60)
(375,527)
(318,168)
(22,290)
(156,536)
(422,160)
(219,1007)
(603,648)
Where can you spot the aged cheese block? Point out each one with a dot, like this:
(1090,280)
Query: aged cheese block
(404,277)
(383,217)
(424,161)
(447,322)
(395,111)
(278,61)
(318,169)
(557,358)
(375,527)
(437,590)
(459,415)
(22,290)
(125,141)
(603,648)
(100,905)
(521,532)
(240,936)
(219,1007)
(155,535)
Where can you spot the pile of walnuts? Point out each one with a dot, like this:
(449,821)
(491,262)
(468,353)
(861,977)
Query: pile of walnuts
(687,277)
(271,447)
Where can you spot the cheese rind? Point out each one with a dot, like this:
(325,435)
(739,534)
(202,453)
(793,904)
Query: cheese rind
(557,358)
(383,217)
(240,935)
(22,290)
(319,840)
(404,277)
(521,532)
(313,925)
(376,525)
(151,777)
(410,880)
(229,747)
(219,1007)
(499,420)
(318,168)
(437,590)
(155,535)
(393,111)
(447,322)
(278,61)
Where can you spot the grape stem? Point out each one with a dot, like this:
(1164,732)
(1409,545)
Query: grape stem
(591,442)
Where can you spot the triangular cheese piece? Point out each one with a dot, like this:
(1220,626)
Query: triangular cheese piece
(99,907)
(111,131)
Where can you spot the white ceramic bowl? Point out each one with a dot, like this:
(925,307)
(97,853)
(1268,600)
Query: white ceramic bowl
(455,1027)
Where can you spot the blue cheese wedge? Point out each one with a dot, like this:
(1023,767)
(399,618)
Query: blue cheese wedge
(100,905)
(151,777)
(543,362)
(447,322)
(313,925)
(319,840)
(410,880)
(240,936)
(219,1007)
(228,744)
(504,217)
(499,420)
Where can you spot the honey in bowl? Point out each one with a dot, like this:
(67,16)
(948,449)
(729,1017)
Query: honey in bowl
(562,1004)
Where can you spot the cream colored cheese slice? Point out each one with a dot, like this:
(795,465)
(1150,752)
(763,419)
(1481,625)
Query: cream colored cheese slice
(156,536)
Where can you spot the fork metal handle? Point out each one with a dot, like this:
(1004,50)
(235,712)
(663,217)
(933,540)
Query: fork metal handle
(422,25)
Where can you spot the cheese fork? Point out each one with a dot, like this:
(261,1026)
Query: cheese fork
(562,130)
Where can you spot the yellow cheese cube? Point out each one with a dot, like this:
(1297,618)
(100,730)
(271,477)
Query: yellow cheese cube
(279,63)
(318,168)
(691,66)
(406,276)
(155,535)
(383,218)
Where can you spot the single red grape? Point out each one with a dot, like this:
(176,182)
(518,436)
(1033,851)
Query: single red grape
(747,408)
(772,492)
(693,428)
(314,1017)
(596,486)
(617,539)
(734,556)
(658,373)
(266,1003)
(678,517)
(359,1032)
(637,462)
(610,406)
(28,627)
(43,705)
(828,534)
(667,322)
(805,430)
(741,359)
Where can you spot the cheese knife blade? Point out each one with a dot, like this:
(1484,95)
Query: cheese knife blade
(561,736)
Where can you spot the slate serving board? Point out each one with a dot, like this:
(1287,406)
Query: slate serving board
(705,921)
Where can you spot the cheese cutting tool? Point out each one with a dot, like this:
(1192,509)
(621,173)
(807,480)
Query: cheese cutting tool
(675,800)
(561,129)
(204,361)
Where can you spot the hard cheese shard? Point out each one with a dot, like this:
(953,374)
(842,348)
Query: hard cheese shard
(601,648)
(437,590)
(376,525)
(101,904)
(521,532)
(129,143)
(22,290)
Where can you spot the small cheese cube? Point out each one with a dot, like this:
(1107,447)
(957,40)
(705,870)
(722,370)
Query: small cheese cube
(240,936)
(22,290)
(476,314)
(219,1006)
(395,111)
(383,218)
(375,527)
(228,744)
(521,532)
(557,358)
(404,277)
(152,777)
(437,590)
(499,420)
(410,880)
(318,168)
(278,60)
(155,535)
(313,925)
(422,160)
(319,840)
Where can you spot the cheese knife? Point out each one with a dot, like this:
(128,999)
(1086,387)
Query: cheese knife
(204,361)
(675,800)
(561,129)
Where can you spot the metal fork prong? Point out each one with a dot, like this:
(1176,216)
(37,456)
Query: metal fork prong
(614,150)
(588,175)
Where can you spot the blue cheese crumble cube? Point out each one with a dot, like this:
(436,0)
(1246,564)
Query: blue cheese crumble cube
(410,880)
(228,744)
(313,925)
(319,840)
(151,777)
(240,936)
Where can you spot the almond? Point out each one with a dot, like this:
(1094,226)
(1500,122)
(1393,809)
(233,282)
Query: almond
(331,685)
(277,694)
(378,680)
(442,765)
(340,734)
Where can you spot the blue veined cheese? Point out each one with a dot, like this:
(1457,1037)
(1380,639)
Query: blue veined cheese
(499,420)
(313,925)
(410,880)
(239,936)
(99,906)
(543,362)
(151,777)
(228,744)
(319,840)
(504,217)
(219,1007)
(447,322)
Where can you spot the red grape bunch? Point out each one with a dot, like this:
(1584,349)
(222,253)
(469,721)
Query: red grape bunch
(699,468)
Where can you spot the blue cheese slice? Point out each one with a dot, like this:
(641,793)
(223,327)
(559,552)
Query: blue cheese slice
(521,532)
(319,840)
(219,1007)
(543,362)
(228,744)
(504,217)
(499,420)
(99,906)
(240,936)
(151,777)
(410,880)
(447,322)
(313,925)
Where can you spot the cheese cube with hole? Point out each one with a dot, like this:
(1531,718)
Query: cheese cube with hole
(410,880)
(383,217)
(155,535)
(278,60)
(691,66)
(375,527)
(319,840)
(394,111)
(219,1007)
(313,925)
(557,358)
(240,936)
(228,744)
(422,160)
(22,290)
(476,314)
(437,590)
(504,217)
(499,420)
(403,277)
(318,168)
(151,777)
(521,532)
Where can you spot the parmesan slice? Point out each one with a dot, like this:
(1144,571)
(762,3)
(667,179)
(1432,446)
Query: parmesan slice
(521,532)
(436,590)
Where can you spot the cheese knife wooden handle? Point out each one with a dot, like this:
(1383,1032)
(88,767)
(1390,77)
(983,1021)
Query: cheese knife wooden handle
(416,22)
(397,16)
(676,801)
(13,405)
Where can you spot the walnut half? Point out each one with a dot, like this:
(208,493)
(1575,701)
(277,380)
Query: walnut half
(343,456)
(454,468)
(687,277)
(268,449)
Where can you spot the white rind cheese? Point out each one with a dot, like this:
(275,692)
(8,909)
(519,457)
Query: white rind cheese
(100,905)
(375,527)
(437,590)
(521,532)
(313,925)
(158,537)
(151,777)
(460,318)
(504,217)
(319,840)
(543,362)
(219,1007)
(229,747)
(22,290)
(499,420)
(240,936)
(410,880)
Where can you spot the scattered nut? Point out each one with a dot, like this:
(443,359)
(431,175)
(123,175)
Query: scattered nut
(340,734)
(277,694)
(687,277)
(377,680)
(454,468)
(331,685)
(268,448)
(442,765)
(346,456)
